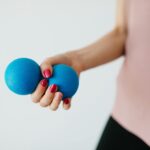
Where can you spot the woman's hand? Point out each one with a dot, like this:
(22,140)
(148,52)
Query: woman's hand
(49,96)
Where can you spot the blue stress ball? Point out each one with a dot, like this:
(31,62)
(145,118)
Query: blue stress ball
(22,76)
(66,79)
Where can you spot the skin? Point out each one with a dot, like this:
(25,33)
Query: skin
(104,50)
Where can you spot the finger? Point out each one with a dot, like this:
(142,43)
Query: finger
(56,101)
(49,95)
(67,103)
(40,90)
(46,69)
(46,66)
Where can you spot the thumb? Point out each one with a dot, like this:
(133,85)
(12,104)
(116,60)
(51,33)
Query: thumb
(46,69)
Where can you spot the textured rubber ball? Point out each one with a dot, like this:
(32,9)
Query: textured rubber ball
(66,79)
(22,76)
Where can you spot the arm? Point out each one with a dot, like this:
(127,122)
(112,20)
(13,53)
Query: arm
(107,48)
(104,50)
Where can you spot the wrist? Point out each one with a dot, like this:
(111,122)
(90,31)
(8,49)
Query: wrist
(75,60)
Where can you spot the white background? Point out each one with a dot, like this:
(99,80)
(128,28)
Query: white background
(41,28)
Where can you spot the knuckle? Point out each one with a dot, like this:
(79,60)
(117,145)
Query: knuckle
(34,99)
(59,94)
(54,108)
(46,62)
(43,104)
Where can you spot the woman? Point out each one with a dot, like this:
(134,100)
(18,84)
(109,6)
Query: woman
(129,122)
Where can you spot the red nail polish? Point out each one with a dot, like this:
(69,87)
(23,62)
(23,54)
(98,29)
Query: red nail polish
(44,82)
(47,73)
(66,101)
(53,88)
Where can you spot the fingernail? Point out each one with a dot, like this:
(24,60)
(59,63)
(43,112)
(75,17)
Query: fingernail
(53,88)
(44,82)
(47,73)
(66,101)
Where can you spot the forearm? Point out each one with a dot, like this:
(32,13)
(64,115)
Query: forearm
(106,49)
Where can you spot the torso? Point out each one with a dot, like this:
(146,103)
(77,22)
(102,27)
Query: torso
(132,106)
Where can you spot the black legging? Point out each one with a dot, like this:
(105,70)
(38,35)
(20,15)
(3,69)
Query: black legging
(115,137)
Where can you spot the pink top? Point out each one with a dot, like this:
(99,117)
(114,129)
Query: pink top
(132,106)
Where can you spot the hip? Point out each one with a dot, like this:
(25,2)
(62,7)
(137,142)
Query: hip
(116,136)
